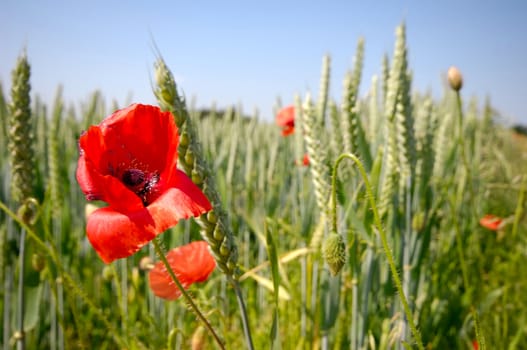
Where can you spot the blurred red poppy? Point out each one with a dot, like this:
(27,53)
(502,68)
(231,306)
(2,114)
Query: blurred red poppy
(191,263)
(304,162)
(475,345)
(129,161)
(492,222)
(286,119)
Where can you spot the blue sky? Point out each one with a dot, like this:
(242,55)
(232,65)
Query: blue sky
(251,52)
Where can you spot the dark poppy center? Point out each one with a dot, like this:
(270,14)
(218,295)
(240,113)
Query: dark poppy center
(133,177)
(141,183)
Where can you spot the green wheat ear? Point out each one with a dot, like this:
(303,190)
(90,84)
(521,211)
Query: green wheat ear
(317,154)
(324,90)
(351,125)
(215,227)
(20,133)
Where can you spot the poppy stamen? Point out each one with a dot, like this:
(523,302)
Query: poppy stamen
(133,177)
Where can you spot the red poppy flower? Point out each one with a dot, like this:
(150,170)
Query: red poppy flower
(129,161)
(305,161)
(286,119)
(191,263)
(492,222)
(475,345)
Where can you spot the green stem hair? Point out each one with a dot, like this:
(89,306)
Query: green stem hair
(384,240)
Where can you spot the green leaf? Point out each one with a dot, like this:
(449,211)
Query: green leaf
(273,260)
(33,296)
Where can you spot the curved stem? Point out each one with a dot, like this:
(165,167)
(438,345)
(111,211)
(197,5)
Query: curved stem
(382,234)
(189,300)
(333,212)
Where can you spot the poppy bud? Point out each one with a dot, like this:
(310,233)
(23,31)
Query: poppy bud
(334,252)
(146,264)
(38,262)
(455,79)
(198,339)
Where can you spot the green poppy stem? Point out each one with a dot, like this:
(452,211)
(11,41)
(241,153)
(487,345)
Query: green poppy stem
(382,234)
(193,306)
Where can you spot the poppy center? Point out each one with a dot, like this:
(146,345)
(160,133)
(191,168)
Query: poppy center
(133,177)
(141,183)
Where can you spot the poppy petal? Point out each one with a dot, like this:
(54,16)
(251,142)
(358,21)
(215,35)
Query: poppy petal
(288,130)
(105,187)
(191,263)
(491,222)
(115,234)
(121,132)
(186,198)
(119,143)
(286,116)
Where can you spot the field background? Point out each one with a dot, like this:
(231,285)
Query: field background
(434,172)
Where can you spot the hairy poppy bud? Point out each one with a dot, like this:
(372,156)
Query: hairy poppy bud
(146,264)
(455,79)
(198,339)
(334,252)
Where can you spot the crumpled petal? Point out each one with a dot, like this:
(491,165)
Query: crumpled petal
(286,119)
(491,222)
(191,263)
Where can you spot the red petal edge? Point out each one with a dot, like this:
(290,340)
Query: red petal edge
(191,263)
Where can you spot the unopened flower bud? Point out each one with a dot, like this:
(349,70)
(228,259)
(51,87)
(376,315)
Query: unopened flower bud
(334,252)
(146,264)
(455,79)
(198,339)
